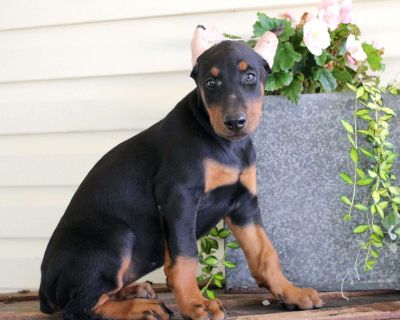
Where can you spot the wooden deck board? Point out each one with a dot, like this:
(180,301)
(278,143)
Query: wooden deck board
(366,305)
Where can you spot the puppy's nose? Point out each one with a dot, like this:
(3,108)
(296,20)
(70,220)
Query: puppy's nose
(235,122)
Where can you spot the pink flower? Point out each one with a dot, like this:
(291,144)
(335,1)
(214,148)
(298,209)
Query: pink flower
(289,16)
(350,59)
(355,50)
(346,12)
(329,12)
(316,36)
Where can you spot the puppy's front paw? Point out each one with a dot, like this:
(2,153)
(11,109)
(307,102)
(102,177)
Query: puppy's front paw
(204,310)
(302,298)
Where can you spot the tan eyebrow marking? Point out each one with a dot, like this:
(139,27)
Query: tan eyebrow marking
(243,65)
(214,71)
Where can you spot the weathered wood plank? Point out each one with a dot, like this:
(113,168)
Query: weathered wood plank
(378,306)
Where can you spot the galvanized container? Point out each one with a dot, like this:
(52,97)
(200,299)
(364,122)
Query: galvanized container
(300,151)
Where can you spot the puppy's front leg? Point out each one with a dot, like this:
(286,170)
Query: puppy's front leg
(181,257)
(263,260)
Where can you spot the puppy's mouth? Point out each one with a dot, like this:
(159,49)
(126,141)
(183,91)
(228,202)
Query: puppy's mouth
(236,136)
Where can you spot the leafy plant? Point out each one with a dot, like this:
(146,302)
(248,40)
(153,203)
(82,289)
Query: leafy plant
(323,53)
(211,264)
(373,160)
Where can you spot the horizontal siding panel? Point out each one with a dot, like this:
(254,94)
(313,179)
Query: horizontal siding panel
(52,160)
(26,13)
(19,273)
(35,212)
(20,260)
(109,103)
(144,45)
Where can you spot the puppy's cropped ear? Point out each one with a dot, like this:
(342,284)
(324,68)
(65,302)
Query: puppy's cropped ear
(267,67)
(203,39)
(266,47)
(194,72)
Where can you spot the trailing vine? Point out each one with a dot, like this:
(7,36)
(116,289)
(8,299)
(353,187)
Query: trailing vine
(373,158)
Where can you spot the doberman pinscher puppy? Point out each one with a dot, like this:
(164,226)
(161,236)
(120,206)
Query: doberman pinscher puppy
(148,200)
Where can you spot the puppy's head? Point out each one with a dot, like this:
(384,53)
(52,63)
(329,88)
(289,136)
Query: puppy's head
(230,77)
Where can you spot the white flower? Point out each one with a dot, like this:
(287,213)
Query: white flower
(354,48)
(316,36)
(329,12)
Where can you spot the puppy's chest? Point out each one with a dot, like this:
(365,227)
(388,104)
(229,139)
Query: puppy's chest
(217,175)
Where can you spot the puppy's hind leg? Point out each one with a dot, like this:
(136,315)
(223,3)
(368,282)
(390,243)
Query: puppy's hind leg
(133,309)
(138,290)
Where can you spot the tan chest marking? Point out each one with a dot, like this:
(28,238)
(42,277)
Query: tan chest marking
(218,175)
(248,178)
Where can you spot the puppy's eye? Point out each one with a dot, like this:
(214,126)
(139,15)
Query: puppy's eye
(249,78)
(210,83)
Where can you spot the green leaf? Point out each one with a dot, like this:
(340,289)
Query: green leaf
(380,211)
(360,173)
(372,174)
(213,243)
(365,181)
(285,57)
(278,80)
(360,92)
(366,152)
(219,276)
(229,264)
(346,178)
(325,77)
(342,75)
(377,229)
(347,126)
(351,140)
(294,89)
(353,154)
(223,233)
(388,111)
(351,87)
(206,269)
(365,132)
(361,228)
(205,245)
(376,196)
(345,200)
(374,57)
(361,207)
(266,23)
(214,231)
(374,237)
(321,59)
(218,283)
(211,261)
(375,254)
(396,200)
(377,244)
(362,112)
(346,217)
(211,294)
(233,245)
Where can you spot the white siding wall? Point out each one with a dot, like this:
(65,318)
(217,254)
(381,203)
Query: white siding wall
(77,77)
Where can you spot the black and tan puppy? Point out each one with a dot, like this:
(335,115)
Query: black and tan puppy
(145,203)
